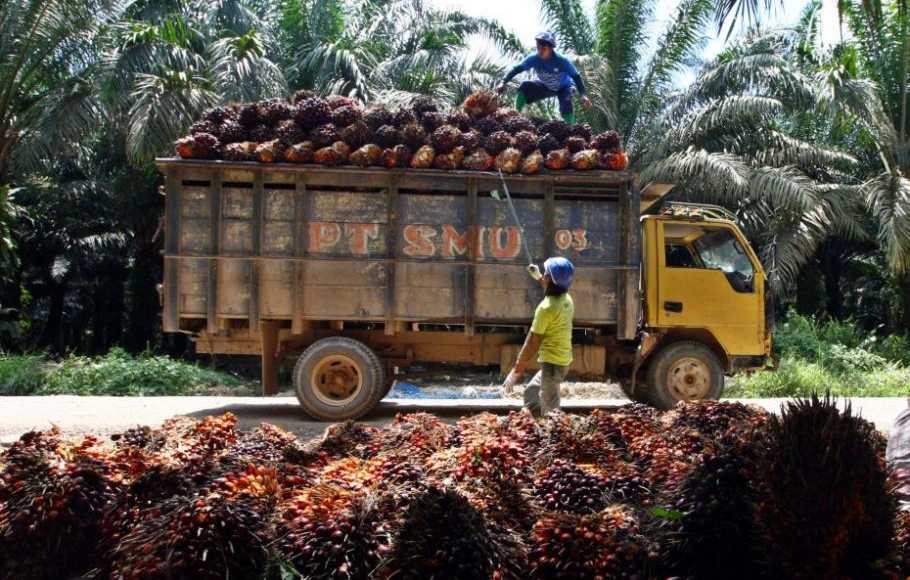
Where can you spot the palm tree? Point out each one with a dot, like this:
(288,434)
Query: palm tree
(46,97)
(387,49)
(866,80)
(160,74)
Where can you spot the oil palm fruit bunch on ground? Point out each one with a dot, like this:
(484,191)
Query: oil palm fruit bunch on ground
(203,536)
(902,542)
(606,544)
(816,451)
(715,533)
(478,123)
(442,536)
(348,540)
(565,487)
(705,490)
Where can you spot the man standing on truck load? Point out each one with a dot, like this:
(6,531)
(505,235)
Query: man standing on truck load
(550,338)
(556,77)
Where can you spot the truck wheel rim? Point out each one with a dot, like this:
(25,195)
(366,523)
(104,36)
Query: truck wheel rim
(689,379)
(336,380)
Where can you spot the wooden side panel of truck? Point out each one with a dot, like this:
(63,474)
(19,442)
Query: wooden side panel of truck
(249,242)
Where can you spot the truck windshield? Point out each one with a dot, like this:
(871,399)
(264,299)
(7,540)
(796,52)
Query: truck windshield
(720,250)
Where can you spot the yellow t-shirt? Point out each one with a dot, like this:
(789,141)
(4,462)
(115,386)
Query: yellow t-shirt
(553,320)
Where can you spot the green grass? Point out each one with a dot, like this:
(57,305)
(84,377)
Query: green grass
(117,373)
(22,374)
(831,356)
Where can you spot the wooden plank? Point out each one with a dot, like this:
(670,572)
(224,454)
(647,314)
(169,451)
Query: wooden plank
(171,313)
(301,229)
(211,301)
(469,283)
(255,282)
(391,243)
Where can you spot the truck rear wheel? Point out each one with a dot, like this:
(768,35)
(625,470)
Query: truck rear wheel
(338,378)
(684,371)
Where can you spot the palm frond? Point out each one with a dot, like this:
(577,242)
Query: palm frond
(241,70)
(888,199)
(568,20)
(683,36)
(621,28)
(785,187)
(163,106)
(712,177)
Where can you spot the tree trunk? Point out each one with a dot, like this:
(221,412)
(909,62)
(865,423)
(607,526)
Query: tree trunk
(52,336)
(904,283)
(144,310)
(833,268)
(809,291)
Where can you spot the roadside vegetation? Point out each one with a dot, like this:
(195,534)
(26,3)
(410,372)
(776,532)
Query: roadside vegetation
(117,373)
(815,356)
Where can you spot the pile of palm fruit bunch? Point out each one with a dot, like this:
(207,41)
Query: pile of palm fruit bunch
(706,490)
(337,130)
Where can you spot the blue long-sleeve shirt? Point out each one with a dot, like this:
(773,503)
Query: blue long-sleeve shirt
(556,72)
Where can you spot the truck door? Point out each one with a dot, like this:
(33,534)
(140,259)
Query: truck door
(708,279)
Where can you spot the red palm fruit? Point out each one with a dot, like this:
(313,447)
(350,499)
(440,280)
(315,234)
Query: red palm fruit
(366,155)
(397,156)
(558,159)
(509,161)
(614,161)
(300,153)
(423,158)
(533,163)
(451,160)
(585,160)
(479,160)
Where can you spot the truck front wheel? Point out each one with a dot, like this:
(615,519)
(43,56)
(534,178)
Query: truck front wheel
(684,371)
(338,378)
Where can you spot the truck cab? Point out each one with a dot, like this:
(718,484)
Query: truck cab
(703,304)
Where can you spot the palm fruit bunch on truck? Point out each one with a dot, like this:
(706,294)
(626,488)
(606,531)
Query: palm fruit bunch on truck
(706,490)
(480,135)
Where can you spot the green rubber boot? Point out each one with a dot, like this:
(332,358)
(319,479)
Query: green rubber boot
(568,118)
(520,101)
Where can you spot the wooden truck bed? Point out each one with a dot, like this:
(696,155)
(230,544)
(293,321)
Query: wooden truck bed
(247,242)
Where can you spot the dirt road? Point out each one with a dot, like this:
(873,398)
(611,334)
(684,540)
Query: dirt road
(106,415)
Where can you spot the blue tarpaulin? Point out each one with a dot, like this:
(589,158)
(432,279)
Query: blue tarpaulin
(403,390)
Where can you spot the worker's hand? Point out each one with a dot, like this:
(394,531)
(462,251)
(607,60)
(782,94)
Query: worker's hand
(534,272)
(501,88)
(586,102)
(511,381)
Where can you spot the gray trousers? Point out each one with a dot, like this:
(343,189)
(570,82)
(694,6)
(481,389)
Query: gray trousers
(542,392)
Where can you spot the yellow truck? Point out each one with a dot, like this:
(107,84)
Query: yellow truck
(352,275)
